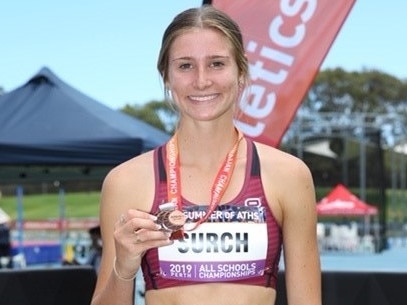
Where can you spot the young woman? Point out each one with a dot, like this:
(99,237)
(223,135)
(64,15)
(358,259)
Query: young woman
(242,201)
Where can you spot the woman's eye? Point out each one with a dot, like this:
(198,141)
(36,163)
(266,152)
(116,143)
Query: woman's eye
(217,64)
(185,66)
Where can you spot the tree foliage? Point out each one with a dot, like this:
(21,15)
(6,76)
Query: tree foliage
(336,90)
(340,100)
(159,114)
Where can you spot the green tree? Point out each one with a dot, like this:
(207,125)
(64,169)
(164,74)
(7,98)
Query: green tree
(159,114)
(336,90)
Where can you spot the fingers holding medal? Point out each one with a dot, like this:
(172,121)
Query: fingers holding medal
(171,220)
(139,227)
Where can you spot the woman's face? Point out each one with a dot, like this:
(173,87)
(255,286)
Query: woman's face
(203,75)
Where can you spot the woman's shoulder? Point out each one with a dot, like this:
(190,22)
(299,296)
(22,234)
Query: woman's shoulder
(281,174)
(132,170)
(131,184)
(273,153)
(275,160)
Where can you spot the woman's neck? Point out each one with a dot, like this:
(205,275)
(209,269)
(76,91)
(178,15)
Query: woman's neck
(205,143)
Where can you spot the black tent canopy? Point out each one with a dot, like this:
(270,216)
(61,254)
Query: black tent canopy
(46,122)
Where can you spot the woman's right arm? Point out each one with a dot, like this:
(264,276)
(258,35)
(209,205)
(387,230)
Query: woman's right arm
(125,198)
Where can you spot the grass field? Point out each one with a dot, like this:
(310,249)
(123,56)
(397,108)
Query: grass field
(86,204)
(46,206)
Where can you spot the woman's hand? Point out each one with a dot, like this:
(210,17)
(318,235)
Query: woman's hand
(134,233)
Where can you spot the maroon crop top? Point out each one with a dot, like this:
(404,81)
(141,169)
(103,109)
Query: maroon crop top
(240,243)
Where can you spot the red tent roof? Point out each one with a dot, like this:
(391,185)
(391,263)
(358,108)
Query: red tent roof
(340,201)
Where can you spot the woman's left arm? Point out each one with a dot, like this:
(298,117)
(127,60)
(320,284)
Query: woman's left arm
(300,245)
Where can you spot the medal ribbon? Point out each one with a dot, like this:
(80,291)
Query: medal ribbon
(219,186)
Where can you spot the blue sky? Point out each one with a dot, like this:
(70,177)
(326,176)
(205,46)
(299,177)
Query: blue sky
(107,49)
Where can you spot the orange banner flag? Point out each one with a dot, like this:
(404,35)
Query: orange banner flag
(286,42)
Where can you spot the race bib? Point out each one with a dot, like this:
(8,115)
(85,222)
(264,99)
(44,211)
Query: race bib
(231,245)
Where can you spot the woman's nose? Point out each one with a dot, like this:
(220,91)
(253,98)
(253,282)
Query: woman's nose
(202,79)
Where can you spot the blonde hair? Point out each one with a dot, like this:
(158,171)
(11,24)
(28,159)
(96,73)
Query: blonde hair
(205,16)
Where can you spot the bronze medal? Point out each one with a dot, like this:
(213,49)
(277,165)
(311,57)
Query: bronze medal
(171,220)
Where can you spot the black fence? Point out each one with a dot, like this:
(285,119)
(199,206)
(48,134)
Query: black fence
(53,286)
(74,285)
(357,288)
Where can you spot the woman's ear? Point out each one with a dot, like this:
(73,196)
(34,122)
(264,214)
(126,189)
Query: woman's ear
(167,90)
(241,82)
